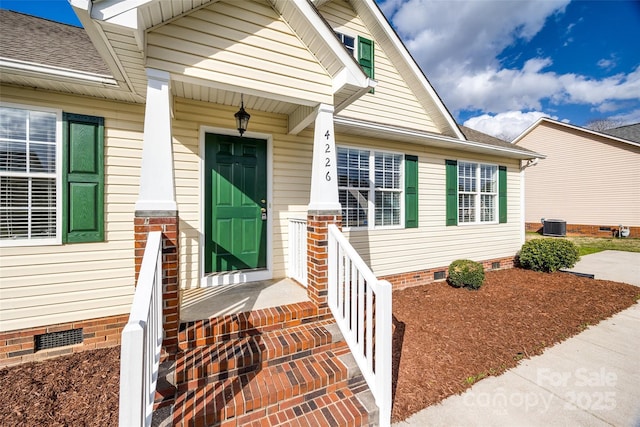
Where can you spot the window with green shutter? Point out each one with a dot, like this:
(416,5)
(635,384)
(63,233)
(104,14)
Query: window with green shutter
(82,179)
(373,191)
(410,191)
(475,193)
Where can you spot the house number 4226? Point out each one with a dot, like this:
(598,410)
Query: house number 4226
(327,160)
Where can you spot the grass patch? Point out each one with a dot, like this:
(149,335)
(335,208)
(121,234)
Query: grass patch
(591,245)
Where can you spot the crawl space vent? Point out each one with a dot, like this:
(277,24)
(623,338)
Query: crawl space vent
(439,275)
(58,339)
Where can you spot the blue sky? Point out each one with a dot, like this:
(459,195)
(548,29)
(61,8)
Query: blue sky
(499,65)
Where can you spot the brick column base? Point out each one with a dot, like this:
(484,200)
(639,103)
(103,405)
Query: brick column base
(167,223)
(317,256)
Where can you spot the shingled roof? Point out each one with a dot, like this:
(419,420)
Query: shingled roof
(477,136)
(40,41)
(629,132)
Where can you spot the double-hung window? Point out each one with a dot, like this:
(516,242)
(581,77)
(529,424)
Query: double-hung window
(476,193)
(29,179)
(370,187)
(51,176)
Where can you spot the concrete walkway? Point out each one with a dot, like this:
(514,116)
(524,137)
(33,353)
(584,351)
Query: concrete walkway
(592,379)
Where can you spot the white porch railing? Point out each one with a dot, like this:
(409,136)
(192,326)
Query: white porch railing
(298,250)
(361,305)
(142,340)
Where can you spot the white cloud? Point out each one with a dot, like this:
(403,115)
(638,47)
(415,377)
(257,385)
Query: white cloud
(458,44)
(507,125)
(608,63)
(628,117)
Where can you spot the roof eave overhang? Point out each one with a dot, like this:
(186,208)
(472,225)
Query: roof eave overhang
(430,139)
(46,72)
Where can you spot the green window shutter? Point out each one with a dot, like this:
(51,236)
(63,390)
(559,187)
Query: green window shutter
(410,191)
(365,56)
(82,179)
(502,194)
(451,170)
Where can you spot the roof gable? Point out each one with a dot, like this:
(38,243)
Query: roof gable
(400,57)
(568,127)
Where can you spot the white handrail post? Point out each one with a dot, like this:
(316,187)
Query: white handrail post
(142,340)
(132,374)
(384,353)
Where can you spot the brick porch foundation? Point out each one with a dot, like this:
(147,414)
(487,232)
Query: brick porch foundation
(317,257)
(424,277)
(19,346)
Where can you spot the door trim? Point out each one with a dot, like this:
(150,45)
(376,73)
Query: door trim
(240,276)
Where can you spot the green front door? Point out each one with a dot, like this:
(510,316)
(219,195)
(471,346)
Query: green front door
(235,229)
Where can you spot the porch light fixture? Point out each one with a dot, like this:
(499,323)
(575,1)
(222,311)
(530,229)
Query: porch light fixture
(242,117)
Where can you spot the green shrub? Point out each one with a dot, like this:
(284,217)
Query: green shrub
(548,254)
(464,272)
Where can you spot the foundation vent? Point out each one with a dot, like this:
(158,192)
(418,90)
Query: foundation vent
(439,275)
(58,339)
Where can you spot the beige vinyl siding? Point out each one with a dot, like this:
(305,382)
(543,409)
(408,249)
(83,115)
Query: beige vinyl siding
(387,251)
(434,244)
(43,285)
(393,102)
(243,44)
(291,177)
(585,179)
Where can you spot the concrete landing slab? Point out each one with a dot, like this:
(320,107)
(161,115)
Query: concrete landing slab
(618,266)
(202,303)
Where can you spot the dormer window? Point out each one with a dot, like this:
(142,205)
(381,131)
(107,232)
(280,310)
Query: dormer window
(348,42)
(363,53)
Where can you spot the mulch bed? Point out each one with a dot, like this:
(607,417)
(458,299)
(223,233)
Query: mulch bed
(446,338)
(443,336)
(76,390)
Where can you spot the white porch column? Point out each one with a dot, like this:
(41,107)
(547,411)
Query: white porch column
(157,189)
(324,176)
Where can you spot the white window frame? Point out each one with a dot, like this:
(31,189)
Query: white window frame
(341,37)
(371,212)
(57,240)
(477,193)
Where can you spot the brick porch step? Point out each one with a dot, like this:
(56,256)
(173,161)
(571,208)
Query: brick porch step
(279,366)
(210,331)
(253,352)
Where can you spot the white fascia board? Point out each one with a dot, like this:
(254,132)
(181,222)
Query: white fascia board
(351,72)
(411,63)
(426,138)
(82,9)
(113,10)
(527,130)
(48,71)
(345,77)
